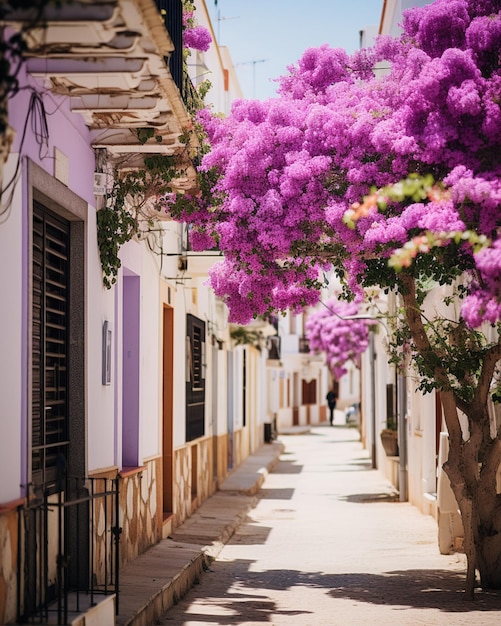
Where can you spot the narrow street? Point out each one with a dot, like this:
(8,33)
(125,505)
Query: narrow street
(329,544)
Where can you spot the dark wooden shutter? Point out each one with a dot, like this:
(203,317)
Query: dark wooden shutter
(195,378)
(49,425)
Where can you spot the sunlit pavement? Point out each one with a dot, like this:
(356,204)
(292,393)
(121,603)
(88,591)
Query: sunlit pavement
(327,544)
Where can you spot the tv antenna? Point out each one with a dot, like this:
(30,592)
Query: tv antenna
(253,63)
(222,18)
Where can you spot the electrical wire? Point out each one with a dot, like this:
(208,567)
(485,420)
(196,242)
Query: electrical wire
(37,115)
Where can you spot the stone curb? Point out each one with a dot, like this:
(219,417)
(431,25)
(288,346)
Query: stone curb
(176,564)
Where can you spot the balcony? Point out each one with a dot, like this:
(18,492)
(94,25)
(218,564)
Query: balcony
(113,60)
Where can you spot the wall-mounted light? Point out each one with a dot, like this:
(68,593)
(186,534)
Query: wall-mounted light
(106,349)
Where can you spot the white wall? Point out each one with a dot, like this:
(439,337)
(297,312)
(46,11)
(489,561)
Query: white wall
(212,64)
(393,14)
(181,299)
(150,382)
(100,406)
(222,395)
(13,343)
(238,357)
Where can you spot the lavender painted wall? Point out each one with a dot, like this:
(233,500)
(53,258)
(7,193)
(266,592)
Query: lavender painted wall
(48,117)
(131,360)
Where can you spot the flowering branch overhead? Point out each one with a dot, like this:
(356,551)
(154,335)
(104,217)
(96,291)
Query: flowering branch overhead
(288,172)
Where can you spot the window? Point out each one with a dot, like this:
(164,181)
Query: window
(195,377)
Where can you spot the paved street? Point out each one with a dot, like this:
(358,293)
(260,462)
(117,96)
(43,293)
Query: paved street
(328,544)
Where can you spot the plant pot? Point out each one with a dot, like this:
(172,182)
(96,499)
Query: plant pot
(389,439)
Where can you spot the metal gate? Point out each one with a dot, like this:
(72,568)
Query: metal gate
(68,551)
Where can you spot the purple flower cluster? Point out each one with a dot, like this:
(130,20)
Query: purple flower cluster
(292,169)
(483,302)
(194,36)
(331,331)
(197,38)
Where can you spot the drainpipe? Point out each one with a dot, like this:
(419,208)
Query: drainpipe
(372,357)
(402,438)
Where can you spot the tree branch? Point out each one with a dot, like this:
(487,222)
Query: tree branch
(492,356)
(449,400)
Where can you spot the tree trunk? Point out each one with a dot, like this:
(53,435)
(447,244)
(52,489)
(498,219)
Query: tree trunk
(455,467)
(488,551)
(472,473)
(487,504)
(473,462)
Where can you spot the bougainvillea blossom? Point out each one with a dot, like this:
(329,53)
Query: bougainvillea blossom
(197,38)
(335,331)
(290,169)
(194,36)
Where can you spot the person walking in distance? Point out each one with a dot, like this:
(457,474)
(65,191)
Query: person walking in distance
(331,401)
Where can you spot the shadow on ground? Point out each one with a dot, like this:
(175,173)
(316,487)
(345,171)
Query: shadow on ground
(287,467)
(434,589)
(441,590)
(368,498)
(252,609)
(281,493)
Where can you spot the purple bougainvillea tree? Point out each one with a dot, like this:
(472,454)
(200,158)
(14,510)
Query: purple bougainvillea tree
(384,165)
(335,331)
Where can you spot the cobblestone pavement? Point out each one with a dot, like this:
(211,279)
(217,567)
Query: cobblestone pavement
(329,544)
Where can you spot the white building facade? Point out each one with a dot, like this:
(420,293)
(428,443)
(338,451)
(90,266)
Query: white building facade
(123,408)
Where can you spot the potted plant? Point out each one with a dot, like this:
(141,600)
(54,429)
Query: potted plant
(389,438)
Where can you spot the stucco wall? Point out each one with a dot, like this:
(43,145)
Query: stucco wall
(181,496)
(140,514)
(8,565)
(13,341)
(222,457)
(193,477)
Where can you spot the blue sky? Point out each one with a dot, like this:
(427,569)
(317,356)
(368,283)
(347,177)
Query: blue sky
(265,36)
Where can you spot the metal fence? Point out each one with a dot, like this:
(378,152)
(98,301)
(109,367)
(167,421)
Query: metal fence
(68,550)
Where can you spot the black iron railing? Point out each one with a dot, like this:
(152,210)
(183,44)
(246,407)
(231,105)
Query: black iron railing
(68,551)
(172,13)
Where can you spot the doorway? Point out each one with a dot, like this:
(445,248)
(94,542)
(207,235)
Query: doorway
(167,412)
